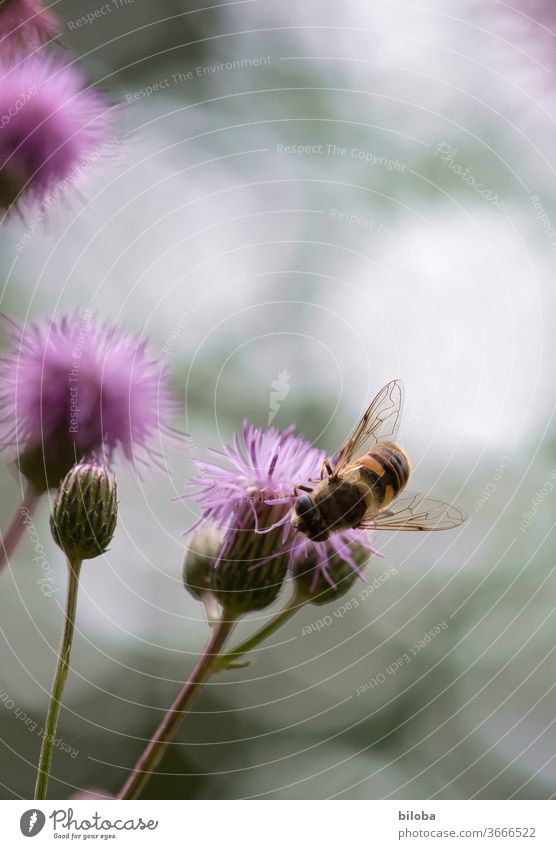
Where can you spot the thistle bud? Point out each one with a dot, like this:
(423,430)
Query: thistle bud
(310,580)
(85,512)
(11,186)
(199,561)
(198,567)
(252,567)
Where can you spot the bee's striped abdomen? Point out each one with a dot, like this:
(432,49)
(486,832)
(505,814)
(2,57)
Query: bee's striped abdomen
(386,471)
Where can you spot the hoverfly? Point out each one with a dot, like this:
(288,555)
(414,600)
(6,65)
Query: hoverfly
(362,486)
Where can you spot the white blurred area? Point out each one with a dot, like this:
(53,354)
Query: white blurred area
(229,256)
(197,217)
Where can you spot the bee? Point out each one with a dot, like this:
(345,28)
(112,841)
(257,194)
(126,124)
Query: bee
(362,486)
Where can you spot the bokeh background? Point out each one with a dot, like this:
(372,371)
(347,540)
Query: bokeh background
(414,240)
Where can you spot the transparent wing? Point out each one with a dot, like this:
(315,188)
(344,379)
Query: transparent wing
(415,512)
(380,423)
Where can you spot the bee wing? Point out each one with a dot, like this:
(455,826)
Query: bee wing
(379,423)
(415,512)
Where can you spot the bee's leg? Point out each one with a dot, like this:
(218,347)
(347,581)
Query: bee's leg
(325,467)
(299,487)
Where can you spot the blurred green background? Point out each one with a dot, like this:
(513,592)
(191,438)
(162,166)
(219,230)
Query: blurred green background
(408,242)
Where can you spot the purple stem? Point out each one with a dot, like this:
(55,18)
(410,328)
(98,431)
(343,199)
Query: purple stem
(16,527)
(151,757)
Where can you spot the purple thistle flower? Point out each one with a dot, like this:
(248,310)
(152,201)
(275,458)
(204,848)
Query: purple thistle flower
(539,11)
(534,23)
(75,388)
(24,26)
(251,503)
(328,569)
(50,127)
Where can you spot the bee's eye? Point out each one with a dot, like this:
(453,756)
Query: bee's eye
(303,504)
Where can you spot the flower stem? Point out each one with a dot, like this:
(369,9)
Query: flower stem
(16,527)
(60,676)
(152,755)
(209,662)
(226,661)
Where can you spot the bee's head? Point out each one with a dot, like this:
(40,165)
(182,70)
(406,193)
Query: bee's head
(307,519)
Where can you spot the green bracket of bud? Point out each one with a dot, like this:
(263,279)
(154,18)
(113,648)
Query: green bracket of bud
(85,512)
(224,663)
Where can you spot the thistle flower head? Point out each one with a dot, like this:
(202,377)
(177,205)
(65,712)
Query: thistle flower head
(78,387)
(25,25)
(265,466)
(324,572)
(50,127)
(251,501)
(85,511)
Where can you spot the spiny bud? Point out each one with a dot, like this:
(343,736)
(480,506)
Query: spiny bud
(311,582)
(199,561)
(250,573)
(11,185)
(83,519)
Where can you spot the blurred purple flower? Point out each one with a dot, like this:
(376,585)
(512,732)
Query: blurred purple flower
(24,26)
(540,11)
(51,126)
(533,22)
(78,387)
(255,496)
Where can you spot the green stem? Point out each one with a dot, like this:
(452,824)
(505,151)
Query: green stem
(226,661)
(152,755)
(60,676)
